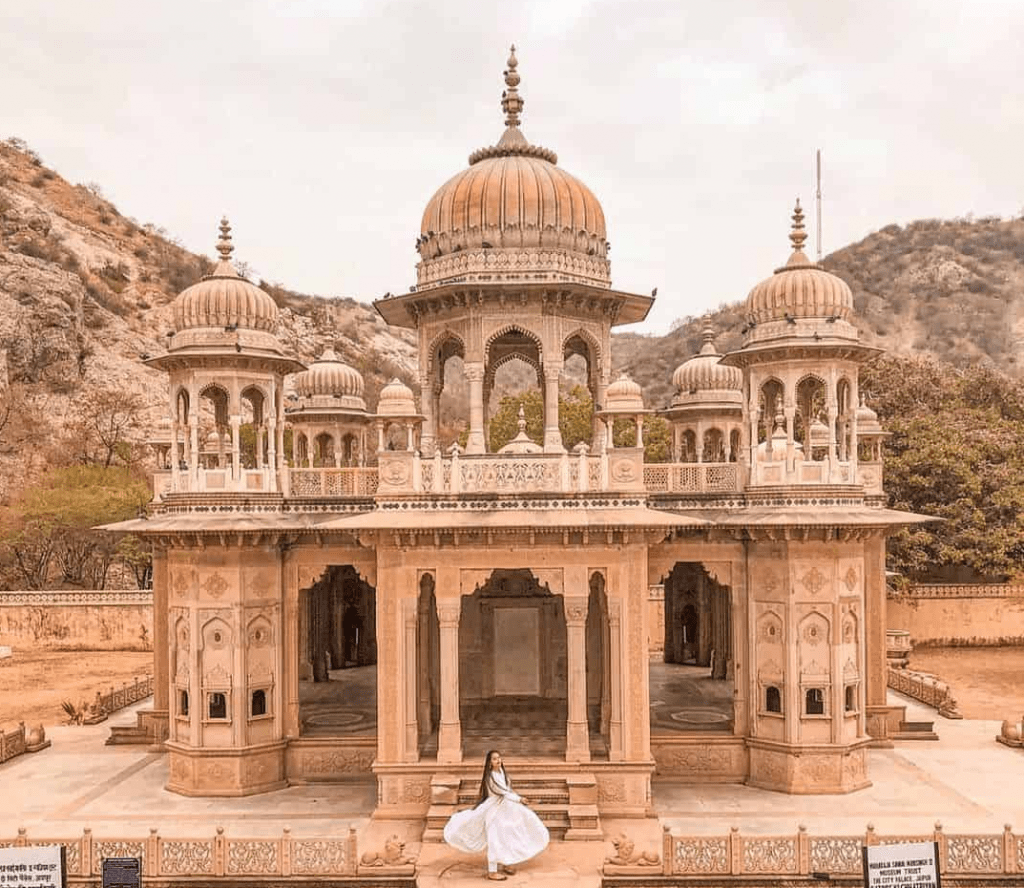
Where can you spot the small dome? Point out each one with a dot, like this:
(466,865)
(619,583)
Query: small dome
(522,443)
(396,399)
(224,298)
(867,421)
(800,288)
(330,377)
(819,433)
(704,378)
(624,396)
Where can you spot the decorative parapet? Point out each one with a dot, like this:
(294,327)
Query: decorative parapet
(693,478)
(926,689)
(212,859)
(107,597)
(960,590)
(836,856)
(332,482)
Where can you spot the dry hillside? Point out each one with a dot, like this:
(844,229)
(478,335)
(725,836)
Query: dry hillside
(85,292)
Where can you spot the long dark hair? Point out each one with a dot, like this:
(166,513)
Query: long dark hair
(484,790)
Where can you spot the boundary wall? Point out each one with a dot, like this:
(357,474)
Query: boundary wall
(959,614)
(82,619)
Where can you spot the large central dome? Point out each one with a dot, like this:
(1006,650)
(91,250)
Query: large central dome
(513,215)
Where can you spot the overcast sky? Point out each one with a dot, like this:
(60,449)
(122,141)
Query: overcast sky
(322,127)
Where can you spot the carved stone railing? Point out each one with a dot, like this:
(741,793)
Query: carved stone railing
(12,743)
(961,590)
(693,478)
(208,859)
(926,689)
(126,695)
(20,740)
(803,471)
(995,855)
(522,473)
(355,481)
(218,480)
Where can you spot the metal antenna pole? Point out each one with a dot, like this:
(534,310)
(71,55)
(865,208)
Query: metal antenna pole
(818,195)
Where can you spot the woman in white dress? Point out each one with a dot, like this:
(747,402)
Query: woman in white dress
(499,822)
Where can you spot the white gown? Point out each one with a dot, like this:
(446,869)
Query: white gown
(502,824)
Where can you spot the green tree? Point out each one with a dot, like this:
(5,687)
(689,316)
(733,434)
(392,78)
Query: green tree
(954,453)
(51,525)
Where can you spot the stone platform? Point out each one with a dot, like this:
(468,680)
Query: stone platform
(965,780)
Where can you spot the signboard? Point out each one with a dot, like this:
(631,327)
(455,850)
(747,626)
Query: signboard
(122,872)
(41,866)
(906,865)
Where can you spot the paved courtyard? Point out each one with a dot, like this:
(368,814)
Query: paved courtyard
(965,780)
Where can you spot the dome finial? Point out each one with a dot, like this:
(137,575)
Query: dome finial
(797,236)
(511,101)
(522,420)
(707,336)
(224,245)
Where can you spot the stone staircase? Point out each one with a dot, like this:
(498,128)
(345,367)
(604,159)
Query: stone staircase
(566,805)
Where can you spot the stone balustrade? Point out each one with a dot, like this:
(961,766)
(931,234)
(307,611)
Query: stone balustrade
(693,478)
(996,856)
(354,481)
(926,689)
(211,859)
(519,473)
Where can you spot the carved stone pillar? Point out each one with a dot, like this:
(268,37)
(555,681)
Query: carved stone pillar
(449,735)
(412,679)
(236,447)
(475,374)
(577,738)
(615,659)
(552,434)
(423,715)
(429,432)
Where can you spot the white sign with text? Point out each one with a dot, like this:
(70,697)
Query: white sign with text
(41,866)
(905,865)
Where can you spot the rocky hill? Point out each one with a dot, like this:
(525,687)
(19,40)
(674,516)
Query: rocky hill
(950,290)
(85,293)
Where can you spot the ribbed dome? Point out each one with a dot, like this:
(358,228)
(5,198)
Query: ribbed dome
(800,288)
(331,377)
(512,201)
(396,399)
(224,298)
(624,395)
(513,198)
(867,421)
(703,374)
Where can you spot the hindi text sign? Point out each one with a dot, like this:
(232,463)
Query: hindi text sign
(38,866)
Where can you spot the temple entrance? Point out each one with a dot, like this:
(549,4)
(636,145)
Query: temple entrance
(338,655)
(692,689)
(512,668)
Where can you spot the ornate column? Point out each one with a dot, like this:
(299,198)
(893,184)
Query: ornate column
(875,665)
(615,659)
(193,438)
(449,734)
(552,434)
(429,432)
(175,454)
(475,374)
(577,736)
(423,670)
(412,678)
(236,448)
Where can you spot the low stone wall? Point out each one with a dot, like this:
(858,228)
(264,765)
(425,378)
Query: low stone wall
(948,615)
(80,619)
(798,858)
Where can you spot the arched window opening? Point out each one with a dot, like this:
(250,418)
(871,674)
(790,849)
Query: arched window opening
(259,703)
(814,701)
(772,699)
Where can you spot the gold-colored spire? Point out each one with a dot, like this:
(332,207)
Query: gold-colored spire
(797,235)
(224,245)
(511,101)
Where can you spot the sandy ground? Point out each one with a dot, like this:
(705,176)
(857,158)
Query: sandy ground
(33,684)
(987,682)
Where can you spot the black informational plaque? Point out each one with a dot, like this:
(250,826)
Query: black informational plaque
(122,872)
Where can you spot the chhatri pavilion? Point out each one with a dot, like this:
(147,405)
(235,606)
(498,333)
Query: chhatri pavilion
(388,602)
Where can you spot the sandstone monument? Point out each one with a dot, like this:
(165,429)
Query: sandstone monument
(391,603)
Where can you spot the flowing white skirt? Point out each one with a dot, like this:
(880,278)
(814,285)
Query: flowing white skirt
(509,831)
